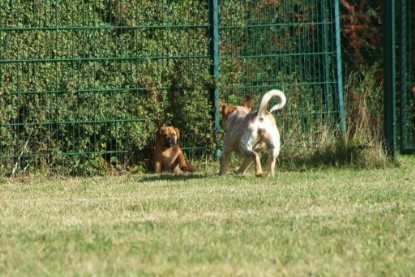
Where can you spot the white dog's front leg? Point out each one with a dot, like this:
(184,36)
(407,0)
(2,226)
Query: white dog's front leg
(271,163)
(258,168)
(273,153)
(244,166)
(224,160)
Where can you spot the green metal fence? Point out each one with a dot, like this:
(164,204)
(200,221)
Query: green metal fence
(407,75)
(84,84)
(378,65)
(290,45)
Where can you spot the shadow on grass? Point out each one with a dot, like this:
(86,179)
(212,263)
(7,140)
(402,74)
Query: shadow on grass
(171,177)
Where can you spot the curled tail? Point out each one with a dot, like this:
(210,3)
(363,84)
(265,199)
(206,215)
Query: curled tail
(267,97)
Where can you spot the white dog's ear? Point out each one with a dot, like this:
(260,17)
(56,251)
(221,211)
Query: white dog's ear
(227,110)
(248,103)
(221,105)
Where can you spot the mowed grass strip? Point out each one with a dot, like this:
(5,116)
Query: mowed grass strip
(328,222)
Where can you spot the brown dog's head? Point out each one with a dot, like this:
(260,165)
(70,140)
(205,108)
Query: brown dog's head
(226,110)
(168,136)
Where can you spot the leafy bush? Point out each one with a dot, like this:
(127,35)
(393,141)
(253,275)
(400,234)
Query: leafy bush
(85,83)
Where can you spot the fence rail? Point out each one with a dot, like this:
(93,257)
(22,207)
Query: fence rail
(86,83)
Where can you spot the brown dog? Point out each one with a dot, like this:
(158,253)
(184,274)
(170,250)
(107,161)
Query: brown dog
(248,133)
(167,154)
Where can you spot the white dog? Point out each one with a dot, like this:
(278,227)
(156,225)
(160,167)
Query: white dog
(248,133)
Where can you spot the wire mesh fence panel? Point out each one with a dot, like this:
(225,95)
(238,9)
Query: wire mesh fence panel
(84,84)
(407,75)
(286,45)
(363,67)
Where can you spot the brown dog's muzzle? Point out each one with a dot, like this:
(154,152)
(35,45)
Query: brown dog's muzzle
(170,142)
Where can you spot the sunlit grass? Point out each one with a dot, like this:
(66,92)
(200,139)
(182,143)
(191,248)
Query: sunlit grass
(323,222)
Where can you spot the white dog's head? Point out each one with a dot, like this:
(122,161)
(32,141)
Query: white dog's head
(227,110)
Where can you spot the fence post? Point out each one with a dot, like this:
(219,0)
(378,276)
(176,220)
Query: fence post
(214,54)
(389,76)
(339,68)
(324,48)
(403,79)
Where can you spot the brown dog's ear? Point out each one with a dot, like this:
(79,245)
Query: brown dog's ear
(158,132)
(248,103)
(177,132)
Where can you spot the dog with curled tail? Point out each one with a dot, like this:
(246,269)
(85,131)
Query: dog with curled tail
(167,154)
(247,133)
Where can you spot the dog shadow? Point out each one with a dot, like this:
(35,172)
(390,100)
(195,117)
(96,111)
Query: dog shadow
(171,177)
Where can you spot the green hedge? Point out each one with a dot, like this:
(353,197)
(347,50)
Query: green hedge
(85,77)
(84,84)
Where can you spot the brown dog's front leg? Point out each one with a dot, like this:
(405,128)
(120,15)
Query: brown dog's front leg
(157,167)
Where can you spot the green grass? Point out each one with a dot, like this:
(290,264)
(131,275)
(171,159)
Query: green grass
(315,222)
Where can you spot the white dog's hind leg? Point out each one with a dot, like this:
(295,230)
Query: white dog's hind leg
(271,165)
(272,156)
